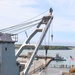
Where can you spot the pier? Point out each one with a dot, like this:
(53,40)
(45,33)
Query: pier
(37,65)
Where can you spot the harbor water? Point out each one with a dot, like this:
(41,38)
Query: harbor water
(57,67)
(63,53)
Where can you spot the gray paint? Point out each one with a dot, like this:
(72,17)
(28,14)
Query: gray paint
(8,59)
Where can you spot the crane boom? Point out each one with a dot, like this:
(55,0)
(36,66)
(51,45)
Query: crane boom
(25,71)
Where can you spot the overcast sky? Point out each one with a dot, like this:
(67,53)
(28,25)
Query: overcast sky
(13,12)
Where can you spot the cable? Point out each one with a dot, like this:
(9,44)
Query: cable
(19,25)
(49,37)
(20,28)
(16,26)
(24,21)
(25,28)
(52,32)
(36,16)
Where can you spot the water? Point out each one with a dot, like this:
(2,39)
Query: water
(64,53)
(54,67)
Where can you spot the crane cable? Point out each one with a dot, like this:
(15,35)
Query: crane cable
(5,29)
(49,36)
(37,15)
(21,28)
(17,26)
(52,32)
(26,28)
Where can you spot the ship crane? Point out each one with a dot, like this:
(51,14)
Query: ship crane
(8,56)
(47,21)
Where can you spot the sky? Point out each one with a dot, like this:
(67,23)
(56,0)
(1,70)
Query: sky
(13,12)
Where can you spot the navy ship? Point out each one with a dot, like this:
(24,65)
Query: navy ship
(59,58)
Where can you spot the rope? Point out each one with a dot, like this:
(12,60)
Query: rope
(27,28)
(17,26)
(21,25)
(45,39)
(52,32)
(37,15)
(49,37)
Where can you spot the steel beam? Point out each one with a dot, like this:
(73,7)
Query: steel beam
(25,71)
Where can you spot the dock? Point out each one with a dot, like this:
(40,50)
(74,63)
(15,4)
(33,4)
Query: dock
(37,65)
(65,73)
